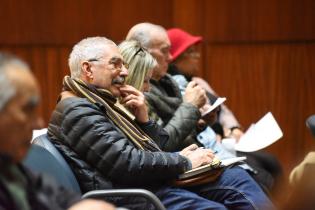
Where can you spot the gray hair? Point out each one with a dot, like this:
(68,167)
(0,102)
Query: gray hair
(7,89)
(140,61)
(142,33)
(86,49)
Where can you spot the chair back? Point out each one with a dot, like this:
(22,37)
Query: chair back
(43,157)
(310,122)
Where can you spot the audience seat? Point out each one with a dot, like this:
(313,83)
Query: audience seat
(43,157)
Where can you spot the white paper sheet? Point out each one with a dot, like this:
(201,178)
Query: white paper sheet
(217,103)
(260,135)
(230,161)
(37,133)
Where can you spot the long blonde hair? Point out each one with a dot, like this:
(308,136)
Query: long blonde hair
(139,61)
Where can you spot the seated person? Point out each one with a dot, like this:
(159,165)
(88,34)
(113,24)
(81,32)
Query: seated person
(307,166)
(183,67)
(309,161)
(302,184)
(19,188)
(140,66)
(109,148)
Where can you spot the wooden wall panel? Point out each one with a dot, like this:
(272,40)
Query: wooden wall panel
(259,20)
(60,22)
(261,78)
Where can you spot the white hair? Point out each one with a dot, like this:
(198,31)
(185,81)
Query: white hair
(7,89)
(86,49)
(142,32)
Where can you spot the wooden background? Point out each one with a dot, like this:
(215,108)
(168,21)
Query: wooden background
(260,54)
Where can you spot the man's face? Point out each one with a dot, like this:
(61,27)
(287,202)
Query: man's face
(160,50)
(211,117)
(188,62)
(19,117)
(108,72)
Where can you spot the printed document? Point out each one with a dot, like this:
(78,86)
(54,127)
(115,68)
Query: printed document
(260,135)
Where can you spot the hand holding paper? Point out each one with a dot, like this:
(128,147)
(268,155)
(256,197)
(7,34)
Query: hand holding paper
(217,103)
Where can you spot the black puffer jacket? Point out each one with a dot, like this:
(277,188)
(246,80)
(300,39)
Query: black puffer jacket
(102,156)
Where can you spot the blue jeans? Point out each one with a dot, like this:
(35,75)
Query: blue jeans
(234,189)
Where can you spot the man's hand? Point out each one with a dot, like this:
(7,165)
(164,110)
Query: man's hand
(186,151)
(135,101)
(198,156)
(195,95)
(236,133)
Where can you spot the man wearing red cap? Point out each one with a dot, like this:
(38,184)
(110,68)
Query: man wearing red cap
(184,65)
(234,189)
(184,45)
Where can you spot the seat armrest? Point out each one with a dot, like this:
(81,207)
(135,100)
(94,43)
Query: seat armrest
(126,192)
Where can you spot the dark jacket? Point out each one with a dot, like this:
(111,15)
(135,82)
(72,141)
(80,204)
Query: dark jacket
(101,156)
(42,192)
(178,118)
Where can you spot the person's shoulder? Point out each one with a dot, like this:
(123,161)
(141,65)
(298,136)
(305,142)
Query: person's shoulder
(168,77)
(74,102)
(180,79)
(76,106)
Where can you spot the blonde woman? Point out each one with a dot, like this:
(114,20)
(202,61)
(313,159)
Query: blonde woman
(140,64)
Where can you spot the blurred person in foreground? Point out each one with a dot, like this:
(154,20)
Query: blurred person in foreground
(302,184)
(20,188)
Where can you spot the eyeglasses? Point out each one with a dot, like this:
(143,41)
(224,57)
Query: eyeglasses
(126,65)
(117,66)
(93,60)
(138,52)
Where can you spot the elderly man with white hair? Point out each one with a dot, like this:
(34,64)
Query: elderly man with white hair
(102,128)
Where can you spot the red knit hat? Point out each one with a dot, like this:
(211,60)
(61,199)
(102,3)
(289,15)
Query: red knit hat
(180,41)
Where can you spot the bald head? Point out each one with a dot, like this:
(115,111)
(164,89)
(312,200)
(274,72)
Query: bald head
(144,33)
(154,38)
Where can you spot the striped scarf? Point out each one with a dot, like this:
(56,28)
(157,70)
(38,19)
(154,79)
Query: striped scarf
(120,118)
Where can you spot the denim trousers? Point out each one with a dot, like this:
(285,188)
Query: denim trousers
(234,189)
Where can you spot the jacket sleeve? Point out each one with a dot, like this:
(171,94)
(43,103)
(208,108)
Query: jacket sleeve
(180,126)
(182,123)
(156,132)
(184,119)
(89,132)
